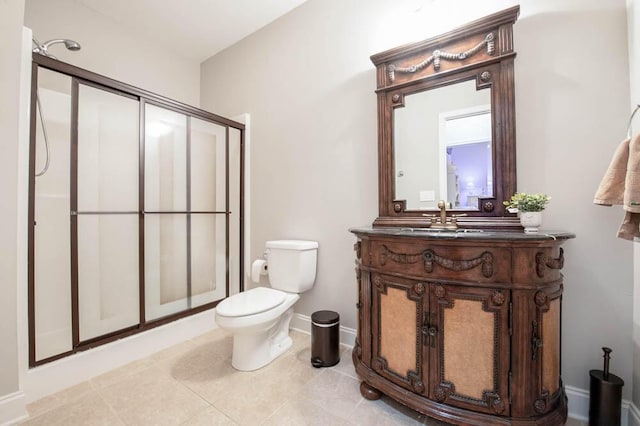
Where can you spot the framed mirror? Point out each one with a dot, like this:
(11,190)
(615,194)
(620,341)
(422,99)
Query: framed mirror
(446,126)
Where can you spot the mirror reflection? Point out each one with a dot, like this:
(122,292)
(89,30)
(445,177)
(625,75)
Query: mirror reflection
(443,147)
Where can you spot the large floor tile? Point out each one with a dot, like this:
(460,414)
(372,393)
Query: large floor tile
(217,380)
(151,397)
(345,366)
(385,412)
(333,391)
(198,359)
(292,370)
(60,398)
(253,402)
(209,417)
(89,410)
(302,412)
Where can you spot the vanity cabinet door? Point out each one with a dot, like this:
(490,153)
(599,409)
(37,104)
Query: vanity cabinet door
(470,349)
(398,314)
(545,348)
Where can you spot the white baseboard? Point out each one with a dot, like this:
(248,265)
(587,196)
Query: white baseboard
(578,403)
(13,408)
(303,323)
(634,415)
(69,371)
(579,407)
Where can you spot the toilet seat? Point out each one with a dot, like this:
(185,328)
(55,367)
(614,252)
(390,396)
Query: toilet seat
(251,302)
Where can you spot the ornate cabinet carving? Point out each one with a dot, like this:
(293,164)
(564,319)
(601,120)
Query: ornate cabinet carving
(464,327)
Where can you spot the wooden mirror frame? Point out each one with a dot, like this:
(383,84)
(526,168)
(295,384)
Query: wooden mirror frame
(483,50)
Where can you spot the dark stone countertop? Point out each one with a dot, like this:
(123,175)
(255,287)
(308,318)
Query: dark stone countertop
(464,233)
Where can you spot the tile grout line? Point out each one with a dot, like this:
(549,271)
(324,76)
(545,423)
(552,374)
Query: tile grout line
(113,410)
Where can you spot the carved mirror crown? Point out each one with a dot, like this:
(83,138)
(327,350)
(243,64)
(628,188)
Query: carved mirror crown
(446,126)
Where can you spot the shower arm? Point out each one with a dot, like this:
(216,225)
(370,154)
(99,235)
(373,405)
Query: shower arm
(43,48)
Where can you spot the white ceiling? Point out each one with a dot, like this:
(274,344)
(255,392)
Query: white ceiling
(195,29)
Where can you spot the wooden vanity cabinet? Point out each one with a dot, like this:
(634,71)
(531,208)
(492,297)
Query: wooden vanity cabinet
(464,327)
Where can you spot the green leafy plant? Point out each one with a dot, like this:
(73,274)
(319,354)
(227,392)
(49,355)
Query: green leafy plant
(524,202)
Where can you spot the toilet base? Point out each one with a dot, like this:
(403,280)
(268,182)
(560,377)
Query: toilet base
(252,351)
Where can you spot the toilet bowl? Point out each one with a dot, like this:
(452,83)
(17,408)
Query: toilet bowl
(259,318)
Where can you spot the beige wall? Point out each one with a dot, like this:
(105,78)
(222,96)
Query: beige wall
(11,16)
(111,50)
(309,86)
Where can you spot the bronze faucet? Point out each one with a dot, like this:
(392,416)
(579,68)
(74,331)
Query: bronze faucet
(443,211)
(443,222)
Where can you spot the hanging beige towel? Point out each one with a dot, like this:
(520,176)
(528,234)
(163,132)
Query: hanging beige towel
(621,186)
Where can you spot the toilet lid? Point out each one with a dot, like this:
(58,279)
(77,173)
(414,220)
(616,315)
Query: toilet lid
(250,302)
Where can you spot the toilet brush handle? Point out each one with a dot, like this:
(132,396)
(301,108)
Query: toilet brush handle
(607,357)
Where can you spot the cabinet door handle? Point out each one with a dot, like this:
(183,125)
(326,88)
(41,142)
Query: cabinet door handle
(429,332)
(425,330)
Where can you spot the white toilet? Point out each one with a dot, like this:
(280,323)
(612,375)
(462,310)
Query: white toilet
(259,318)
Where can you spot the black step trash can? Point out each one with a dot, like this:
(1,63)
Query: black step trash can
(325,338)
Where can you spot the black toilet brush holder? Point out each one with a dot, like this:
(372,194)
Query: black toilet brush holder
(605,395)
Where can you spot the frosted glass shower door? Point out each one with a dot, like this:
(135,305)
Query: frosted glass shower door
(185,212)
(107,212)
(51,325)
(208,225)
(165,197)
(135,214)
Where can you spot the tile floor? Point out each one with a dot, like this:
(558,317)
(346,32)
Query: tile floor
(193,383)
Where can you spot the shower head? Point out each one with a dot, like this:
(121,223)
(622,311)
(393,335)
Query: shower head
(43,48)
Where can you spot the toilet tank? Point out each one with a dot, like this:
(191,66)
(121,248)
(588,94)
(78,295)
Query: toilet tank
(292,264)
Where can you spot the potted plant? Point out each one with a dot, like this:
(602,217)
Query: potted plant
(529,207)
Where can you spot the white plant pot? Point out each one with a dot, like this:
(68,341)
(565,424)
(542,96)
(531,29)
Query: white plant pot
(531,221)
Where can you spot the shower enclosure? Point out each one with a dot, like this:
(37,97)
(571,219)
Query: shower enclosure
(135,210)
